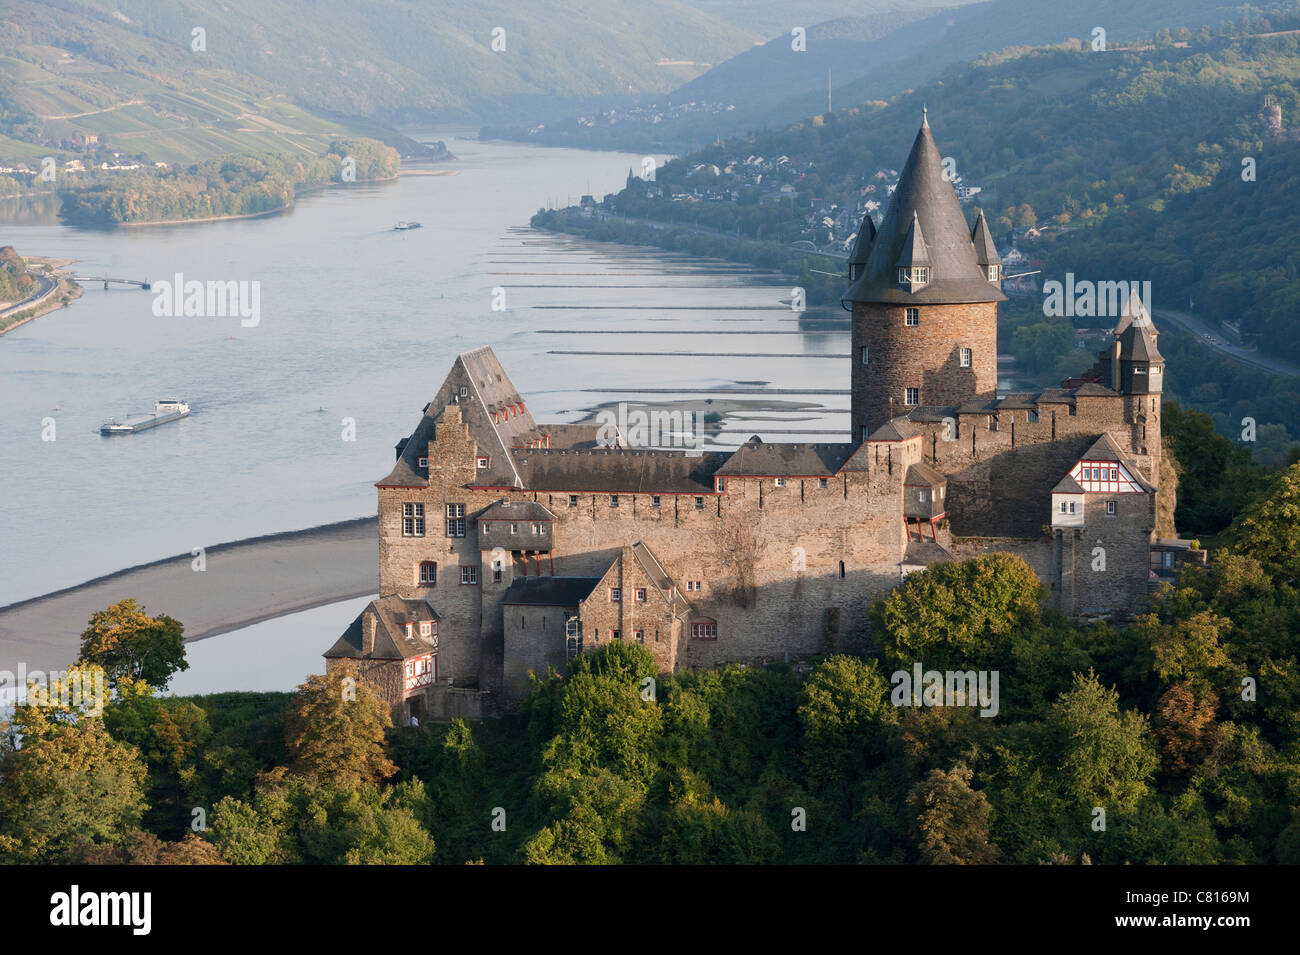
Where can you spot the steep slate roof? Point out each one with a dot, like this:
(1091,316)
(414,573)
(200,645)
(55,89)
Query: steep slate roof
(550,591)
(924,553)
(986,253)
(649,563)
(1106,448)
(618,471)
(862,244)
(516,511)
(926,197)
(915,252)
(489,389)
(1067,485)
(896,429)
(391,641)
(1137,333)
(755,458)
(922,475)
(1094,389)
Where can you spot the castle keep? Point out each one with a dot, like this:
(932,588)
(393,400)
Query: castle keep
(507,546)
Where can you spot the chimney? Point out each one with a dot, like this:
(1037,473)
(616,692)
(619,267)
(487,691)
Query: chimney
(369,621)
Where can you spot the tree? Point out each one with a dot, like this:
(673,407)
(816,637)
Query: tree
(65,784)
(844,713)
(951,822)
(129,644)
(334,729)
(958,615)
(1269,531)
(1104,756)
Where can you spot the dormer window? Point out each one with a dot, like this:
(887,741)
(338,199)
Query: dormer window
(995,273)
(424,462)
(914,276)
(482,462)
(462,391)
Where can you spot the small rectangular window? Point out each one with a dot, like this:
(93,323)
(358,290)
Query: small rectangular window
(426,630)
(639,593)
(638,636)
(514,528)
(863,352)
(573,500)
(704,631)
(424,462)
(699,503)
(912,317)
(965,357)
(428,573)
(616,634)
(720,485)
(482,462)
(462,391)
(913,396)
(780,482)
(538,530)
(822,483)
(469,575)
(613,500)
(1110,508)
(654,500)
(616,594)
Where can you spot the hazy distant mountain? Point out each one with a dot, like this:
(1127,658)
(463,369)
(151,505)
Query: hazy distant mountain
(774,18)
(876,56)
(388,58)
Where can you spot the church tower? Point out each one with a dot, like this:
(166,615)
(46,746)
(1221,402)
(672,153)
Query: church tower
(924,291)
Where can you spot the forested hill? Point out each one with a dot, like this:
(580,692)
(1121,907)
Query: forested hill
(387,57)
(1060,138)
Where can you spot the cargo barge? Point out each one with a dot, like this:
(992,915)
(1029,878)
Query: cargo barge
(168,409)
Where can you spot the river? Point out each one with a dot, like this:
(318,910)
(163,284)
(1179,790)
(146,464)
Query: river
(357,322)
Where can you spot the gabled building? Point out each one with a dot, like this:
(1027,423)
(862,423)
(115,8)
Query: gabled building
(526,543)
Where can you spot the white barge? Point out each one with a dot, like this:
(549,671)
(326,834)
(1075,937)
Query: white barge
(168,409)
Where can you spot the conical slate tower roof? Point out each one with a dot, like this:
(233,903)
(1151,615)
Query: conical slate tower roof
(924,195)
(862,244)
(1136,332)
(986,253)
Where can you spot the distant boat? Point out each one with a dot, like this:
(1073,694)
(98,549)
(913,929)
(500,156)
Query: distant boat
(404,225)
(165,410)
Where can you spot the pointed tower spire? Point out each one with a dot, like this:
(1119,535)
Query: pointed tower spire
(861,247)
(915,252)
(986,253)
(924,197)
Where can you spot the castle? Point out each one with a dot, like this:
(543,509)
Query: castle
(507,546)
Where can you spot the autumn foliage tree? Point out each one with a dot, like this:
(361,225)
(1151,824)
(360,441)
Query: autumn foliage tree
(130,644)
(334,729)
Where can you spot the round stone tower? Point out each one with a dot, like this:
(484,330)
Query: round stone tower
(924,293)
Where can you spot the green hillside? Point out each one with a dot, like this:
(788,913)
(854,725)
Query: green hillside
(870,55)
(61,75)
(391,58)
